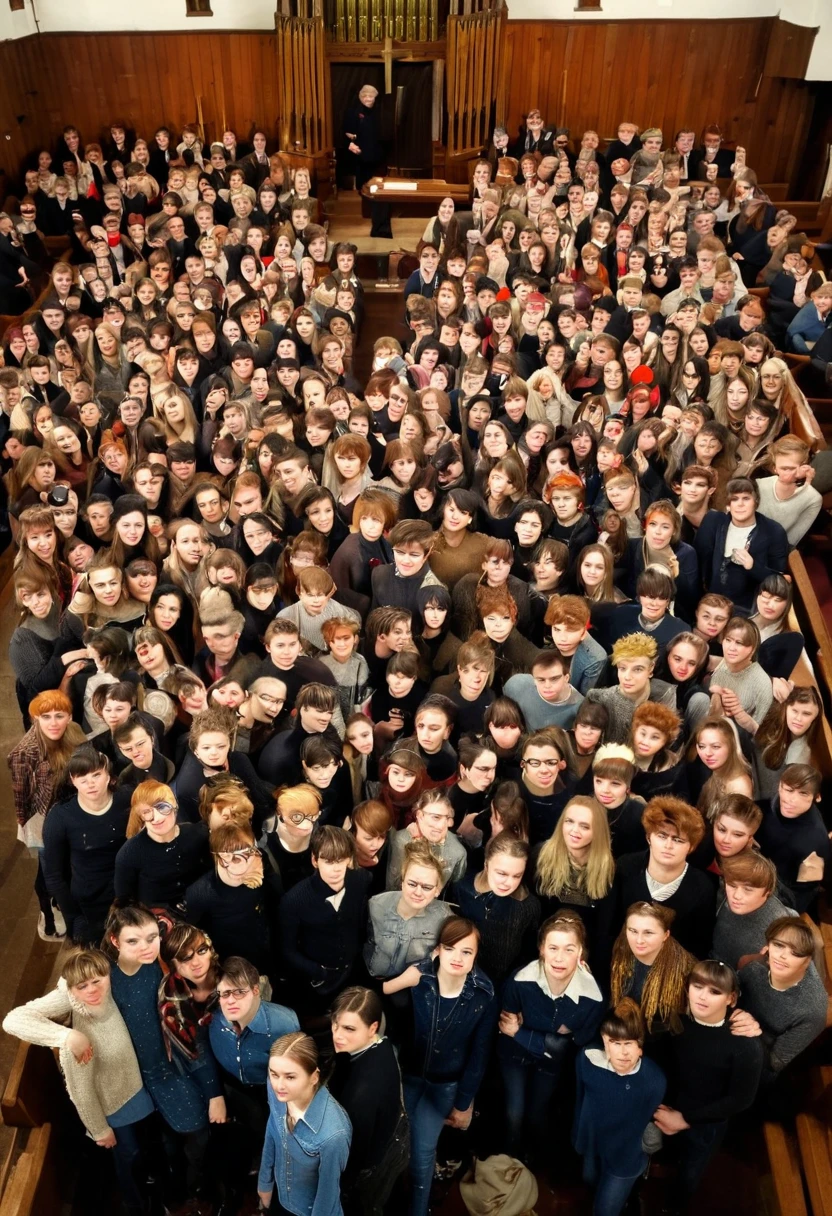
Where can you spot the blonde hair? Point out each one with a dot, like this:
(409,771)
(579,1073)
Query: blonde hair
(145,794)
(297,799)
(555,868)
(664,995)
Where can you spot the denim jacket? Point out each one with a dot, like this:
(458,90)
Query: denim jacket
(393,943)
(247,1057)
(456,1049)
(306,1163)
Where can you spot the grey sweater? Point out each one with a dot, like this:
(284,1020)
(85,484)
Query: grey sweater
(752,686)
(791,1020)
(736,935)
(537,712)
(621,709)
(795,514)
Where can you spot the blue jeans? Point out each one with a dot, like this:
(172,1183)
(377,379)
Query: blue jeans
(611,1191)
(428,1104)
(694,1149)
(127,1155)
(529,1086)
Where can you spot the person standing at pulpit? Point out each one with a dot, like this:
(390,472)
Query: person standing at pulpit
(362,129)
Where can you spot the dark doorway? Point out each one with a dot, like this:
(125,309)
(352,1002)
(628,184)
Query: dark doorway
(408,144)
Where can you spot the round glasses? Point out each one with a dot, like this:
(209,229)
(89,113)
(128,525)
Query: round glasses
(297,818)
(159,808)
(238,860)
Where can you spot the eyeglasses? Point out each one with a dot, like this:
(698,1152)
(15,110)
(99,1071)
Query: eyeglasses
(225,994)
(159,808)
(200,952)
(297,818)
(541,763)
(238,860)
(424,887)
(270,700)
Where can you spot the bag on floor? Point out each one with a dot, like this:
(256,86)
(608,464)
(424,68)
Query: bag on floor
(499,1186)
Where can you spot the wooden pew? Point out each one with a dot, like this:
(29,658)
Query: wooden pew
(813,1143)
(7,321)
(784,1160)
(818,645)
(32,1189)
(34,1093)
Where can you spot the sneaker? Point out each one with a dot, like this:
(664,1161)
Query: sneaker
(60,923)
(43,930)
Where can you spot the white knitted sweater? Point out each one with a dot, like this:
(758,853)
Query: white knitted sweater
(112,1076)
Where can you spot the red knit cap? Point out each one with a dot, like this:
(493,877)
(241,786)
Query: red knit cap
(641,375)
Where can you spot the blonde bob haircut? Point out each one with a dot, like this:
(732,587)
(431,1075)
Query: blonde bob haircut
(144,795)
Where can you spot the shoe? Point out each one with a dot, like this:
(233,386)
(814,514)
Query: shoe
(60,923)
(44,930)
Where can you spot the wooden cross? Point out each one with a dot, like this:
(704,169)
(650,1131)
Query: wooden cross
(388,55)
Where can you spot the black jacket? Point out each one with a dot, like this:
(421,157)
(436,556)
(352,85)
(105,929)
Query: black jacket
(767,544)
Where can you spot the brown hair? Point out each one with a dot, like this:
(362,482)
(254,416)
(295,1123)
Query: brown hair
(684,819)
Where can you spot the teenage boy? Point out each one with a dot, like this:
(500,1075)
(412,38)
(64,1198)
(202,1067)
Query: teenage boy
(424,281)
(789,495)
(136,743)
(469,690)
(634,657)
(663,875)
(221,654)
(434,721)
(495,573)
(244,1026)
(784,994)
(793,833)
(739,548)
(655,591)
(315,707)
(713,612)
(748,907)
(286,662)
(315,606)
(697,488)
(572,525)
(323,920)
(209,752)
(613,769)
(81,837)
(398,585)
(387,631)
(433,823)
(568,618)
(546,697)
(543,790)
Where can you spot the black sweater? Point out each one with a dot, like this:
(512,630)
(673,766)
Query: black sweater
(159,874)
(239,920)
(191,778)
(694,902)
(320,943)
(79,860)
(788,842)
(368,1086)
(711,1073)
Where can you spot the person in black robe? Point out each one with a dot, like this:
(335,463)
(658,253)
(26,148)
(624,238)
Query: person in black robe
(362,131)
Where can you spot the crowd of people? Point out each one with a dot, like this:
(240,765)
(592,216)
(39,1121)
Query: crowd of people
(403,751)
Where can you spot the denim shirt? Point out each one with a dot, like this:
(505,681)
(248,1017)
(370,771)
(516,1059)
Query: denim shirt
(306,1163)
(393,942)
(453,1046)
(247,1057)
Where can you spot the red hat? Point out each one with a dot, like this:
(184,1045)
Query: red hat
(641,375)
(504,294)
(135,218)
(536,298)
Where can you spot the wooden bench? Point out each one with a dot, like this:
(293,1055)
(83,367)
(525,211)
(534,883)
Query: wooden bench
(32,1188)
(34,1093)
(818,644)
(784,1160)
(813,1143)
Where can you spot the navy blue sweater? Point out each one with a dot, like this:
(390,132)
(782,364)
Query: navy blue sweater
(611,1113)
(580,1008)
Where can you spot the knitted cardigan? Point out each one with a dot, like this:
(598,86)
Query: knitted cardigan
(110,1079)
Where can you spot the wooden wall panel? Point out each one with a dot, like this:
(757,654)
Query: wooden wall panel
(580,73)
(660,73)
